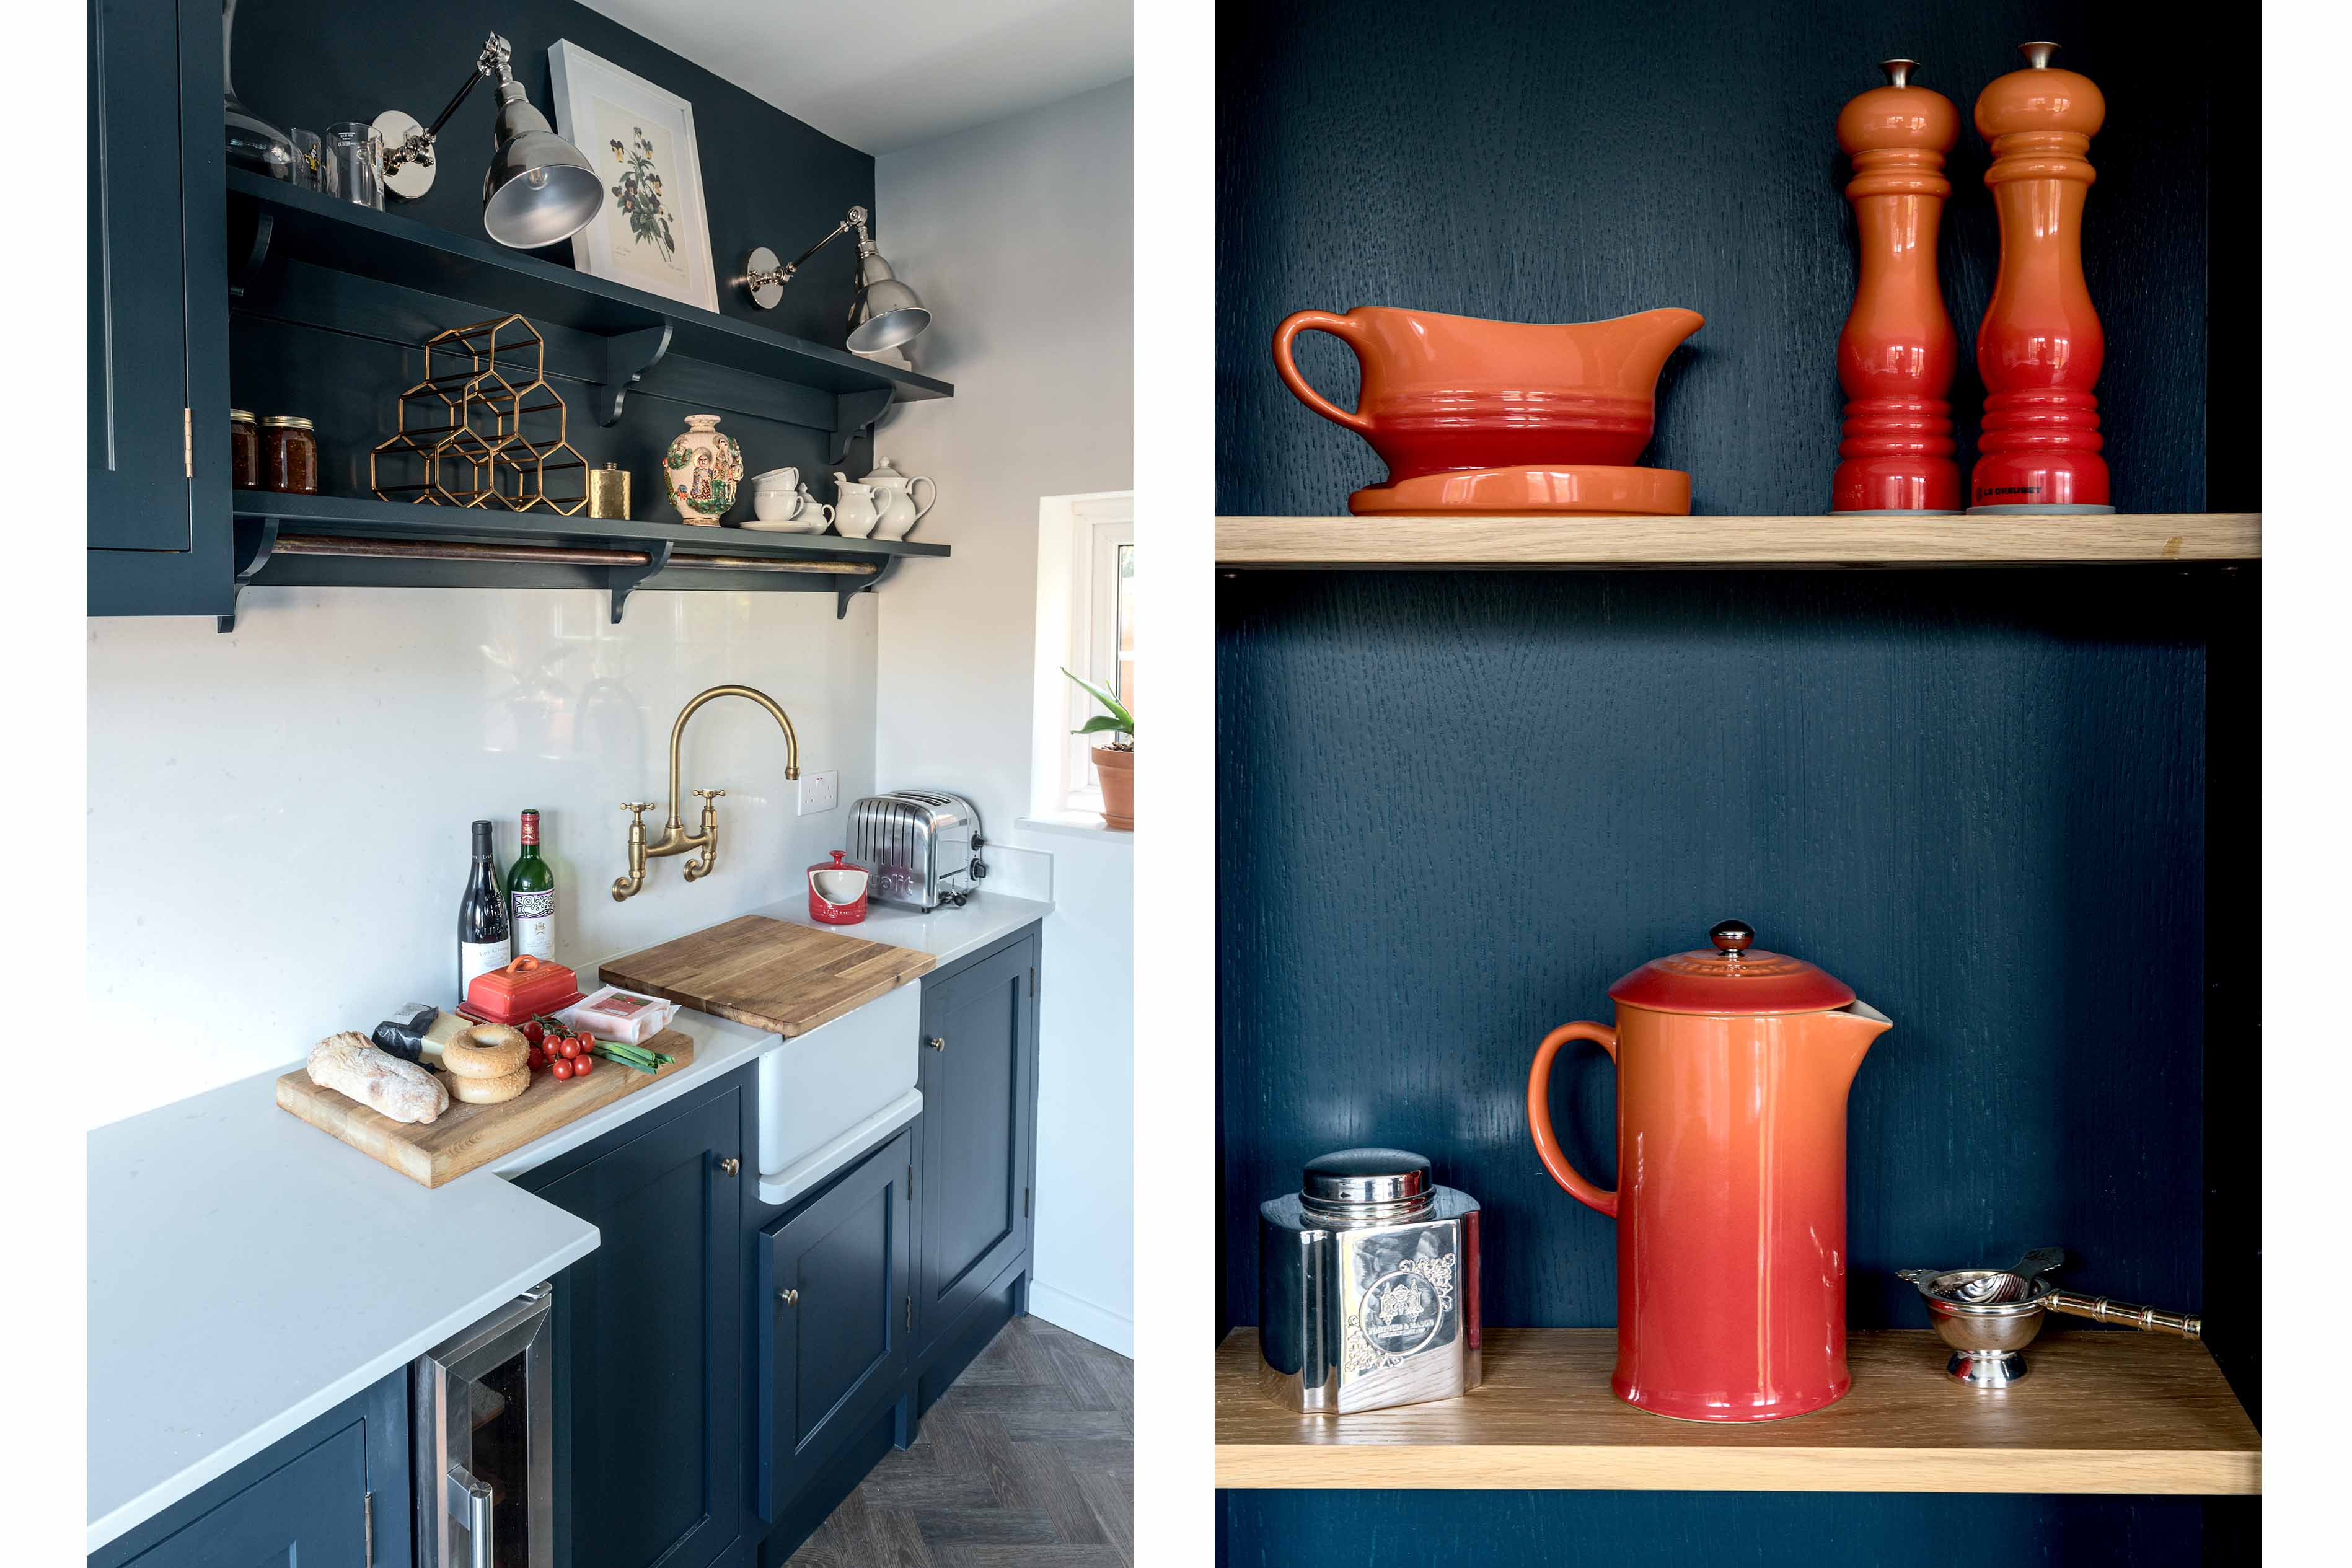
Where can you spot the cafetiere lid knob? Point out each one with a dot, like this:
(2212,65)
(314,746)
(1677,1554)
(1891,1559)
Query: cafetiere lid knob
(1732,938)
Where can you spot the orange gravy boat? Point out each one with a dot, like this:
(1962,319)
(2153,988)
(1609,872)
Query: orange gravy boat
(1453,394)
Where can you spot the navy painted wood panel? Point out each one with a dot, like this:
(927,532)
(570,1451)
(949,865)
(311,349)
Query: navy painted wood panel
(305,1501)
(652,1386)
(980,1112)
(1722,1530)
(1565,162)
(834,1350)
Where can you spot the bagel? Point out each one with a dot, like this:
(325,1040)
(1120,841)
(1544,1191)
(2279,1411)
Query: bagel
(490,1091)
(486,1051)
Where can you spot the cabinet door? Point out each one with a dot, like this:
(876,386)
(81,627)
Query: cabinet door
(649,1334)
(308,1513)
(138,328)
(837,1313)
(979,1096)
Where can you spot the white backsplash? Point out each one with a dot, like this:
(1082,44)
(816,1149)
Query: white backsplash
(277,818)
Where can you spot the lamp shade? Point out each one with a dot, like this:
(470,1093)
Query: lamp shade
(538,188)
(886,313)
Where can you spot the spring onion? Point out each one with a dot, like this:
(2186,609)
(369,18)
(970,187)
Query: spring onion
(636,1056)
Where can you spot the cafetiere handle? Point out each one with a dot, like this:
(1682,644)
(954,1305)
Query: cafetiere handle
(1339,326)
(2146,1320)
(1539,1111)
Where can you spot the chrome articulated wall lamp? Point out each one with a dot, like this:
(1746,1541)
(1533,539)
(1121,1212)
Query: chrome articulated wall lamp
(538,188)
(883,312)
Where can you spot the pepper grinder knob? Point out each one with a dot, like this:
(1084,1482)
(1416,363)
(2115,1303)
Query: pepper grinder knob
(2037,54)
(1898,72)
(1732,938)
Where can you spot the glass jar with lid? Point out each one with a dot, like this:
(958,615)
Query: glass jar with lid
(290,455)
(244,451)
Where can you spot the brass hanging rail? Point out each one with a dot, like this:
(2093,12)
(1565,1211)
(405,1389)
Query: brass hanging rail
(467,550)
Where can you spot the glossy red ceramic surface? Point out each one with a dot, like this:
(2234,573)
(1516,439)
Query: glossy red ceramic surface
(1897,352)
(1730,1207)
(1446,393)
(841,874)
(2039,347)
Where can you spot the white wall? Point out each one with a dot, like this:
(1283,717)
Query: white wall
(1018,235)
(277,818)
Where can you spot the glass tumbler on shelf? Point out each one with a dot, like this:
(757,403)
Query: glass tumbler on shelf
(309,159)
(355,163)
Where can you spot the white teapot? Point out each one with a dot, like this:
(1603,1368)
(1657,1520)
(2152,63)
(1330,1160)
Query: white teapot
(896,494)
(859,507)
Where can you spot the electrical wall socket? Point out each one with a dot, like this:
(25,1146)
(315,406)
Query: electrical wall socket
(819,792)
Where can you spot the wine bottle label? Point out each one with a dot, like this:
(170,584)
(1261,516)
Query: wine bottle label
(480,958)
(534,924)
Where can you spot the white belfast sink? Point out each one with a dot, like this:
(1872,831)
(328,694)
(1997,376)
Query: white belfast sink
(827,1095)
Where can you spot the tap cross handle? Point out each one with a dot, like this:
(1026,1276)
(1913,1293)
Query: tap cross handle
(636,807)
(708,793)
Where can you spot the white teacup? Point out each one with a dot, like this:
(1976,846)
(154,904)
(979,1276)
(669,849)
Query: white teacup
(789,512)
(776,479)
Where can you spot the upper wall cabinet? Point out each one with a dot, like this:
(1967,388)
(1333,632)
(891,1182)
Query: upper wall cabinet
(157,327)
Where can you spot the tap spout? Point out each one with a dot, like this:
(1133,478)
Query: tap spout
(749,694)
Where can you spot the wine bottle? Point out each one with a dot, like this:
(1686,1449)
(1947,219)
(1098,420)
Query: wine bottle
(530,892)
(483,935)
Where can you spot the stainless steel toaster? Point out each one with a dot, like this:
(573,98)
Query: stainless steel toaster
(923,846)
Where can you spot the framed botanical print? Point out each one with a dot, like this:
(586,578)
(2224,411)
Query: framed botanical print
(653,233)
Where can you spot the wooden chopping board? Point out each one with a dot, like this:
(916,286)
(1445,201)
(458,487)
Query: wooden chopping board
(466,1137)
(770,973)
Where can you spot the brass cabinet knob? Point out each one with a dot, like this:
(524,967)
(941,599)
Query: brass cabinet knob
(730,1166)
(937,1042)
(789,1297)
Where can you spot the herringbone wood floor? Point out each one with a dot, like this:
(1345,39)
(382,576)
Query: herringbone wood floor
(1028,1461)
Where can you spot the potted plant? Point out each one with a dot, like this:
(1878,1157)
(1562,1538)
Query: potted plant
(1114,762)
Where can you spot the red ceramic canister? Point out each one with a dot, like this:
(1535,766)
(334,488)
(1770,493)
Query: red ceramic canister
(1732,1070)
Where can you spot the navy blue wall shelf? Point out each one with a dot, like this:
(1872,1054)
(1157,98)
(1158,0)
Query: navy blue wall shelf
(2016,809)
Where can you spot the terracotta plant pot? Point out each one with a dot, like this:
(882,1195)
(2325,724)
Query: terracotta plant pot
(1116,770)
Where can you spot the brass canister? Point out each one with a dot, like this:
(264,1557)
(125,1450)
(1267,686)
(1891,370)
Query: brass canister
(608,492)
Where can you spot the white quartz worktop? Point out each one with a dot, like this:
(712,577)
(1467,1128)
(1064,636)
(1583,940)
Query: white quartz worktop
(247,1272)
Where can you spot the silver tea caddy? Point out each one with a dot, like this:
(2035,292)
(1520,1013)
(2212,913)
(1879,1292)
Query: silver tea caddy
(1368,1286)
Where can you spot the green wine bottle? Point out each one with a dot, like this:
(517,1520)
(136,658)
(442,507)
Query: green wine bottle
(530,887)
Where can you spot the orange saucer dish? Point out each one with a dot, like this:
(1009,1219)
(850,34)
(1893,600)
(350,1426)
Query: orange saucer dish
(1513,492)
(1486,418)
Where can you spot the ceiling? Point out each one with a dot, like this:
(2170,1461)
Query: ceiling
(887,74)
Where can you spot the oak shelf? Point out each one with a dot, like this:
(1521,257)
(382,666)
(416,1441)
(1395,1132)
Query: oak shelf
(1433,543)
(2100,1412)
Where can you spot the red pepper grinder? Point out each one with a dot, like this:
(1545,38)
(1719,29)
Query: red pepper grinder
(2040,347)
(1898,351)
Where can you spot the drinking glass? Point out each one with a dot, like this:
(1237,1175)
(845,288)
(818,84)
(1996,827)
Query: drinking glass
(355,163)
(309,159)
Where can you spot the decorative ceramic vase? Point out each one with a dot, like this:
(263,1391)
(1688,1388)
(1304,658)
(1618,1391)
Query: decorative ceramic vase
(1476,416)
(1898,351)
(2040,346)
(1115,770)
(703,468)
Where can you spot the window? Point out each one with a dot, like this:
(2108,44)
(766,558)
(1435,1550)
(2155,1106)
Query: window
(1085,622)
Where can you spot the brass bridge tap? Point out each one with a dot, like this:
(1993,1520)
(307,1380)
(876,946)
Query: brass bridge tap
(675,839)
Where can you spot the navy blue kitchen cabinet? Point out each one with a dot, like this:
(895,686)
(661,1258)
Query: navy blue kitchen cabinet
(835,1314)
(979,1130)
(650,1369)
(157,316)
(333,1495)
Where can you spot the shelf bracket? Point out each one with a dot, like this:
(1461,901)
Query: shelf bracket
(245,269)
(853,413)
(626,357)
(841,596)
(256,538)
(623,580)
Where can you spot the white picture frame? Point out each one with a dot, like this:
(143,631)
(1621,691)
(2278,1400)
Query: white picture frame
(597,104)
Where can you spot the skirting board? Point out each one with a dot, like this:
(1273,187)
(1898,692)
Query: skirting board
(1082,1318)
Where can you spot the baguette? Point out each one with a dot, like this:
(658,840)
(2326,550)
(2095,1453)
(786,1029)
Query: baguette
(351,1065)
